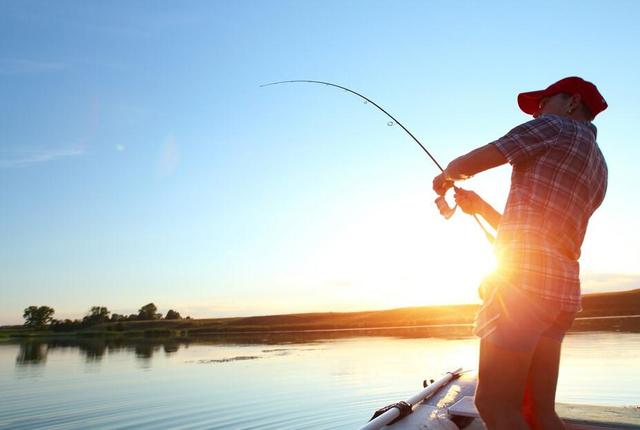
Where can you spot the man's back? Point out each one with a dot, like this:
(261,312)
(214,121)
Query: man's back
(559,179)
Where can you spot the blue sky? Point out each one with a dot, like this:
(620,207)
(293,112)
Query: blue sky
(140,160)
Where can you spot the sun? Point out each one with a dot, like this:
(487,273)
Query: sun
(392,258)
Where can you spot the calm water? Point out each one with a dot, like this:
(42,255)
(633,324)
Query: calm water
(327,381)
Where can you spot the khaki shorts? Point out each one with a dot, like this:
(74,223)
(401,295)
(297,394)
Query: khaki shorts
(515,319)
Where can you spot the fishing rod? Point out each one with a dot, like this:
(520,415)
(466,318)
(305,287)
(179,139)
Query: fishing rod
(444,208)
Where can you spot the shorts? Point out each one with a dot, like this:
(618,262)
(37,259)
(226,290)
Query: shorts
(514,319)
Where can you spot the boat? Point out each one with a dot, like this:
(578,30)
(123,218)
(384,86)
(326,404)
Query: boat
(448,404)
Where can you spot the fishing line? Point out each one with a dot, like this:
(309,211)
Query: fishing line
(368,100)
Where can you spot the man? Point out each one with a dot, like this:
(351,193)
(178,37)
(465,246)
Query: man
(559,178)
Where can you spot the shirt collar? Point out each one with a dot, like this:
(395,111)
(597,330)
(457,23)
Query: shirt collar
(589,124)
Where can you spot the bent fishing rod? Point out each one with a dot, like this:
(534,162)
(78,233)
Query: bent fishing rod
(442,205)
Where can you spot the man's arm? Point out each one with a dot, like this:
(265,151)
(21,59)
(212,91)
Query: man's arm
(464,167)
(476,161)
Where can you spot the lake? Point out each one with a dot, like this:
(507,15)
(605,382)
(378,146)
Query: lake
(313,381)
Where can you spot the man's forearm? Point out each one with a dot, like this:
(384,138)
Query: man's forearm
(492,216)
(476,161)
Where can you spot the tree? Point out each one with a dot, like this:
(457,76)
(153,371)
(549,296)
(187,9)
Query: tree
(148,312)
(117,318)
(66,325)
(97,315)
(37,317)
(172,315)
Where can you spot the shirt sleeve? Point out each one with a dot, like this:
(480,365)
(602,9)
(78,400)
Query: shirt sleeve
(529,140)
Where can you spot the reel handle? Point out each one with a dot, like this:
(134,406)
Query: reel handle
(443,206)
(447,212)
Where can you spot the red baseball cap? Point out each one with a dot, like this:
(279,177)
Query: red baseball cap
(530,102)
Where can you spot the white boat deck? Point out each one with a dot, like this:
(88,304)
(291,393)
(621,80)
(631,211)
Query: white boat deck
(452,408)
(577,417)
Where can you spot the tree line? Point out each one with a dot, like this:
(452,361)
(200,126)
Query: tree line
(40,317)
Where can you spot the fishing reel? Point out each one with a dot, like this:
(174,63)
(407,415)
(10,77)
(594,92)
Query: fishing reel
(443,206)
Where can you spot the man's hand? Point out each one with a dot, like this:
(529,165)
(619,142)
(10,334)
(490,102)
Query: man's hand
(441,184)
(469,202)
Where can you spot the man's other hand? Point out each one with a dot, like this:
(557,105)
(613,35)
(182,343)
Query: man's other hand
(441,184)
(469,202)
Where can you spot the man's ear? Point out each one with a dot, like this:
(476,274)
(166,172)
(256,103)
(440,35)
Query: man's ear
(574,102)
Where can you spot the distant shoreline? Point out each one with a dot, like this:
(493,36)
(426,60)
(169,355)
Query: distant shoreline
(603,311)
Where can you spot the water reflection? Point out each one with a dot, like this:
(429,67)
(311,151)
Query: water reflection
(171,347)
(95,352)
(94,349)
(34,352)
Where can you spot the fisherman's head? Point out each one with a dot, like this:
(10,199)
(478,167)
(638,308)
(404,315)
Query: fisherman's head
(571,97)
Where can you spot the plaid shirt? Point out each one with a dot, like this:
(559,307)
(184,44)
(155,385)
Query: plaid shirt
(559,179)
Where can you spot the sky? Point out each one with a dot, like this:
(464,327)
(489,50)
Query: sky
(141,161)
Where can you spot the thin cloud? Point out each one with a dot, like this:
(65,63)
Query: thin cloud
(169,158)
(24,158)
(18,66)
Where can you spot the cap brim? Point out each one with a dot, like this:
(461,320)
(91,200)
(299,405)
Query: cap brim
(530,102)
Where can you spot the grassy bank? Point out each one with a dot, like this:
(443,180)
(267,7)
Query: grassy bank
(594,305)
